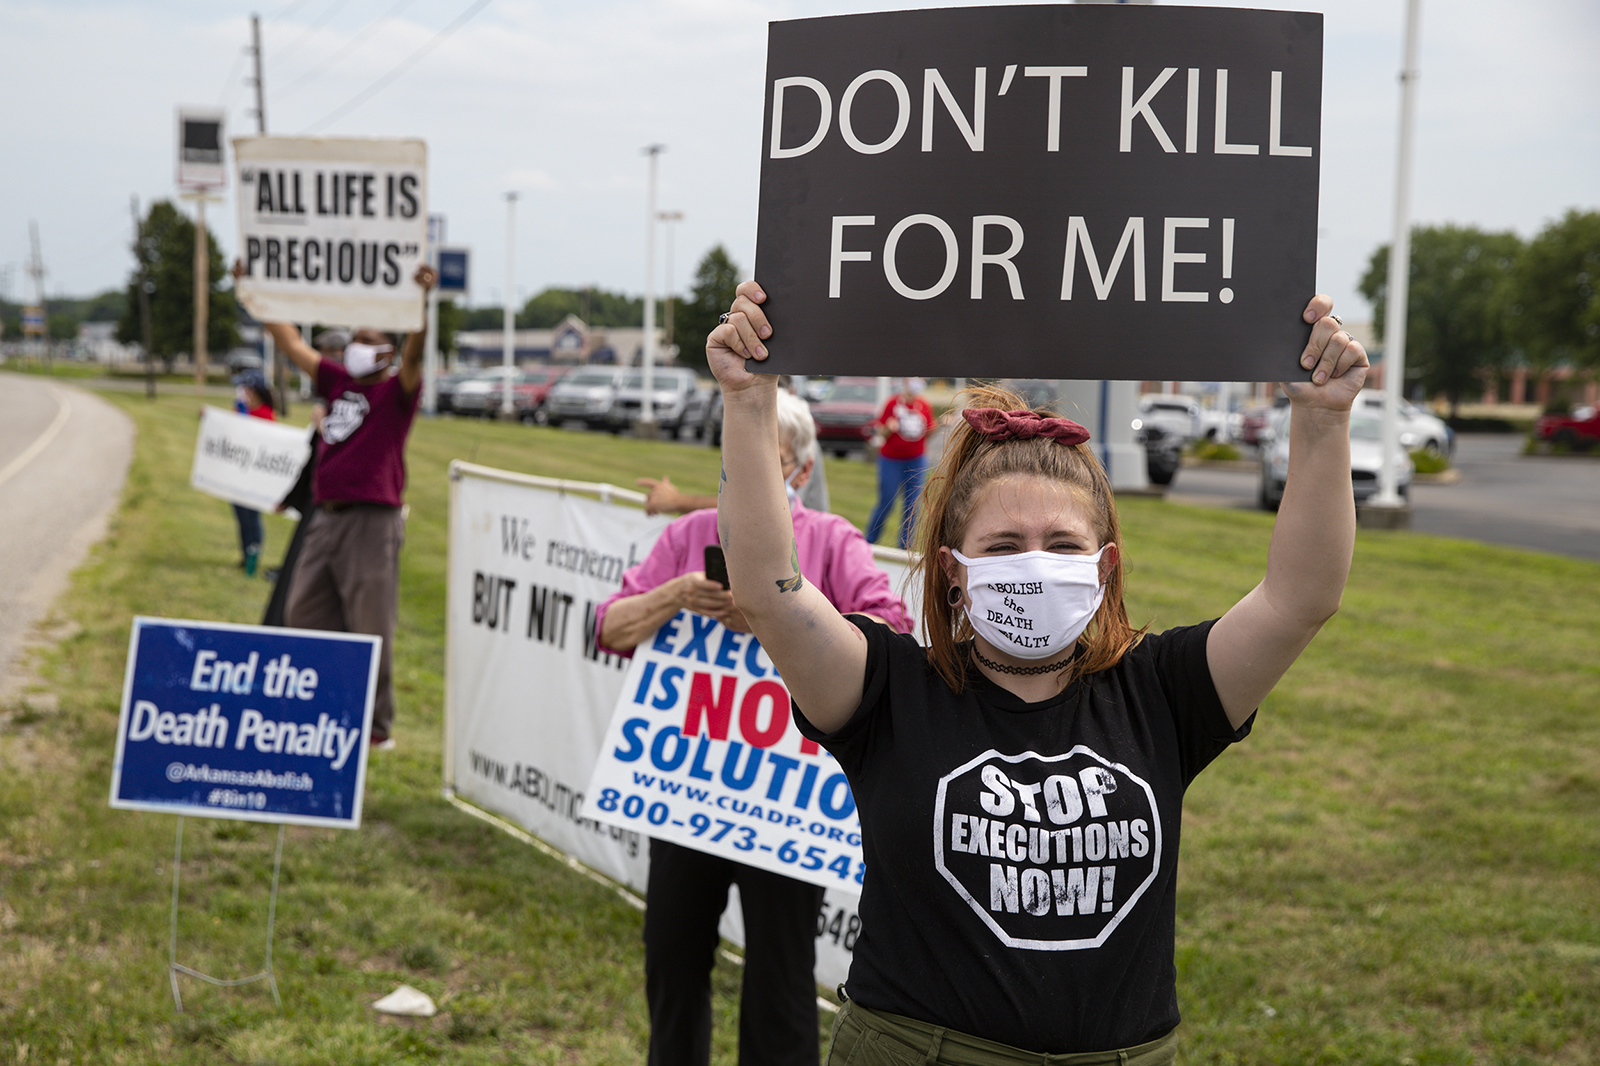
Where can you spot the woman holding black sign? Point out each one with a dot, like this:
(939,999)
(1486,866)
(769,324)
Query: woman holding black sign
(1020,779)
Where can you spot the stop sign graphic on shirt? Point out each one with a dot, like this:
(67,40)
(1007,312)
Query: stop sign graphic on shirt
(1051,851)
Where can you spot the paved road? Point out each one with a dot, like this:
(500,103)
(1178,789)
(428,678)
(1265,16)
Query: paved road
(1546,503)
(63,456)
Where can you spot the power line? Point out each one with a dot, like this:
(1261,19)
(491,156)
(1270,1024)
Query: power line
(351,44)
(400,68)
(316,24)
(232,83)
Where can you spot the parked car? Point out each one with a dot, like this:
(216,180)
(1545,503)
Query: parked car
(1176,414)
(1366,458)
(1420,430)
(845,414)
(678,399)
(444,389)
(479,395)
(1163,452)
(530,392)
(585,395)
(483,394)
(1252,420)
(1580,429)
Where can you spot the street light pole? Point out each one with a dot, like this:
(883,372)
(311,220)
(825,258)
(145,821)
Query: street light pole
(1394,333)
(647,402)
(670,216)
(508,342)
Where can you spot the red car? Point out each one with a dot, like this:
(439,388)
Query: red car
(529,390)
(845,414)
(1580,429)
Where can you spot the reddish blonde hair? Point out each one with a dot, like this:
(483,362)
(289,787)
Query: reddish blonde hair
(970,464)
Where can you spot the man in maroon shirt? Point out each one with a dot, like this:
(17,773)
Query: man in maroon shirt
(347,578)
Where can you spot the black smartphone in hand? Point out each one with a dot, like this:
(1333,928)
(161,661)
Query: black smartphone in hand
(716,565)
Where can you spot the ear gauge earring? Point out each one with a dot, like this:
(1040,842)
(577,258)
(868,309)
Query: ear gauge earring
(953,597)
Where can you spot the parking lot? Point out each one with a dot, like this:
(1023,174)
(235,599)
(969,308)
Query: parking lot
(1543,502)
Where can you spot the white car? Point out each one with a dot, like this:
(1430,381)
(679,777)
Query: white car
(1176,415)
(585,395)
(1420,430)
(1366,458)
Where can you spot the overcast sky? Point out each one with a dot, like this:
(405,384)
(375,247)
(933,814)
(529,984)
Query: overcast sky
(556,98)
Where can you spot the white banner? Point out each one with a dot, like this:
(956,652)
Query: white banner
(332,229)
(245,460)
(528,697)
(702,751)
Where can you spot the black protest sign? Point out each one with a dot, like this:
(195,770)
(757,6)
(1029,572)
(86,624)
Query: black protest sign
(1055,191)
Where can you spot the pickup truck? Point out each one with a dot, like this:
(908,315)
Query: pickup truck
(1580,429)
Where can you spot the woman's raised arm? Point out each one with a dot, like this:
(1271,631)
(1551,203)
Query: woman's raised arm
(821,656)
(1313,540)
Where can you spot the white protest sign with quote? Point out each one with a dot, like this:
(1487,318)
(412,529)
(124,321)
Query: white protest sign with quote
(246,460)
(702,751)
(332,229)
(1057,191)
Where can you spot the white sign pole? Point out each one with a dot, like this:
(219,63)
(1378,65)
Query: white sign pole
(1394,334)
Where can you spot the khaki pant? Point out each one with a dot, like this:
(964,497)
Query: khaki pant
(863,1037)
(347,580)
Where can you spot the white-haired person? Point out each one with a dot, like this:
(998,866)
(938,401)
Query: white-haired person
(688,889)
(1020,779)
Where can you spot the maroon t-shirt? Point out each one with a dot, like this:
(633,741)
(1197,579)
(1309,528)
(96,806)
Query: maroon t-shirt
(362,452)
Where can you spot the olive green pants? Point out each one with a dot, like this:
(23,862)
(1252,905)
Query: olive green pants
(863,1037)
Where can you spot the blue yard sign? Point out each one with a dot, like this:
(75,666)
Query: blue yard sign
(256,723)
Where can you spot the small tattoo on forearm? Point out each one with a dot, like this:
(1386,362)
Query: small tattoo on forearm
(795,583)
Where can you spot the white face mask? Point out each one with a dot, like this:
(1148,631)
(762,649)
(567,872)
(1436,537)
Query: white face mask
(789,489)
(362,359)
(1032,604)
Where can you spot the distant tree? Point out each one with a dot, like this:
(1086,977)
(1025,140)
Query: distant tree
(715,280)
(108,306)
(596,307)
(167,236)
(482,318)
(1555,308)
(1460,291)
(61,325)
(450,319)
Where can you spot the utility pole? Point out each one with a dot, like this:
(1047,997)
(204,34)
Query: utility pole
(144,286)
(261,92)
(670,217)
(36,271)
(202,292)
(647,402)
(508,340)
(1398,296)
(268,349)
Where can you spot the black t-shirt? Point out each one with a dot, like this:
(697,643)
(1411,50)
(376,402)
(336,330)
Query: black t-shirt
(1021,858)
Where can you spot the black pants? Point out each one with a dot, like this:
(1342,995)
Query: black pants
(688,891)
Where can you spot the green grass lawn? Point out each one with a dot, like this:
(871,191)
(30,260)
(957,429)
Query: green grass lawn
(1399,866)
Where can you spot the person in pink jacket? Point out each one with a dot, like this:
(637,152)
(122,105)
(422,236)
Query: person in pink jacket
(688,889)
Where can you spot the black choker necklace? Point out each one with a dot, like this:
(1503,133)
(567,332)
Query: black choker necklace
(1026,671)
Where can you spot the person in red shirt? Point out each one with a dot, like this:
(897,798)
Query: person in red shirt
(906,420)
(347,578)
(253,397)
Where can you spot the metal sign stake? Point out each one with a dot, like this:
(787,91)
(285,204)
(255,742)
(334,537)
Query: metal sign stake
(174,967)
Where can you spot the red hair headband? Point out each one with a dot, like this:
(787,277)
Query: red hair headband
(991,423)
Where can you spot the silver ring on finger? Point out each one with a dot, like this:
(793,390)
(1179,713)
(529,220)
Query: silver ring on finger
(1337,319)
(723,318)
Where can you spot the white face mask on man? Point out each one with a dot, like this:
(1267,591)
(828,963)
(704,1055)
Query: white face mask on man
(363,359)
(1032,604)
